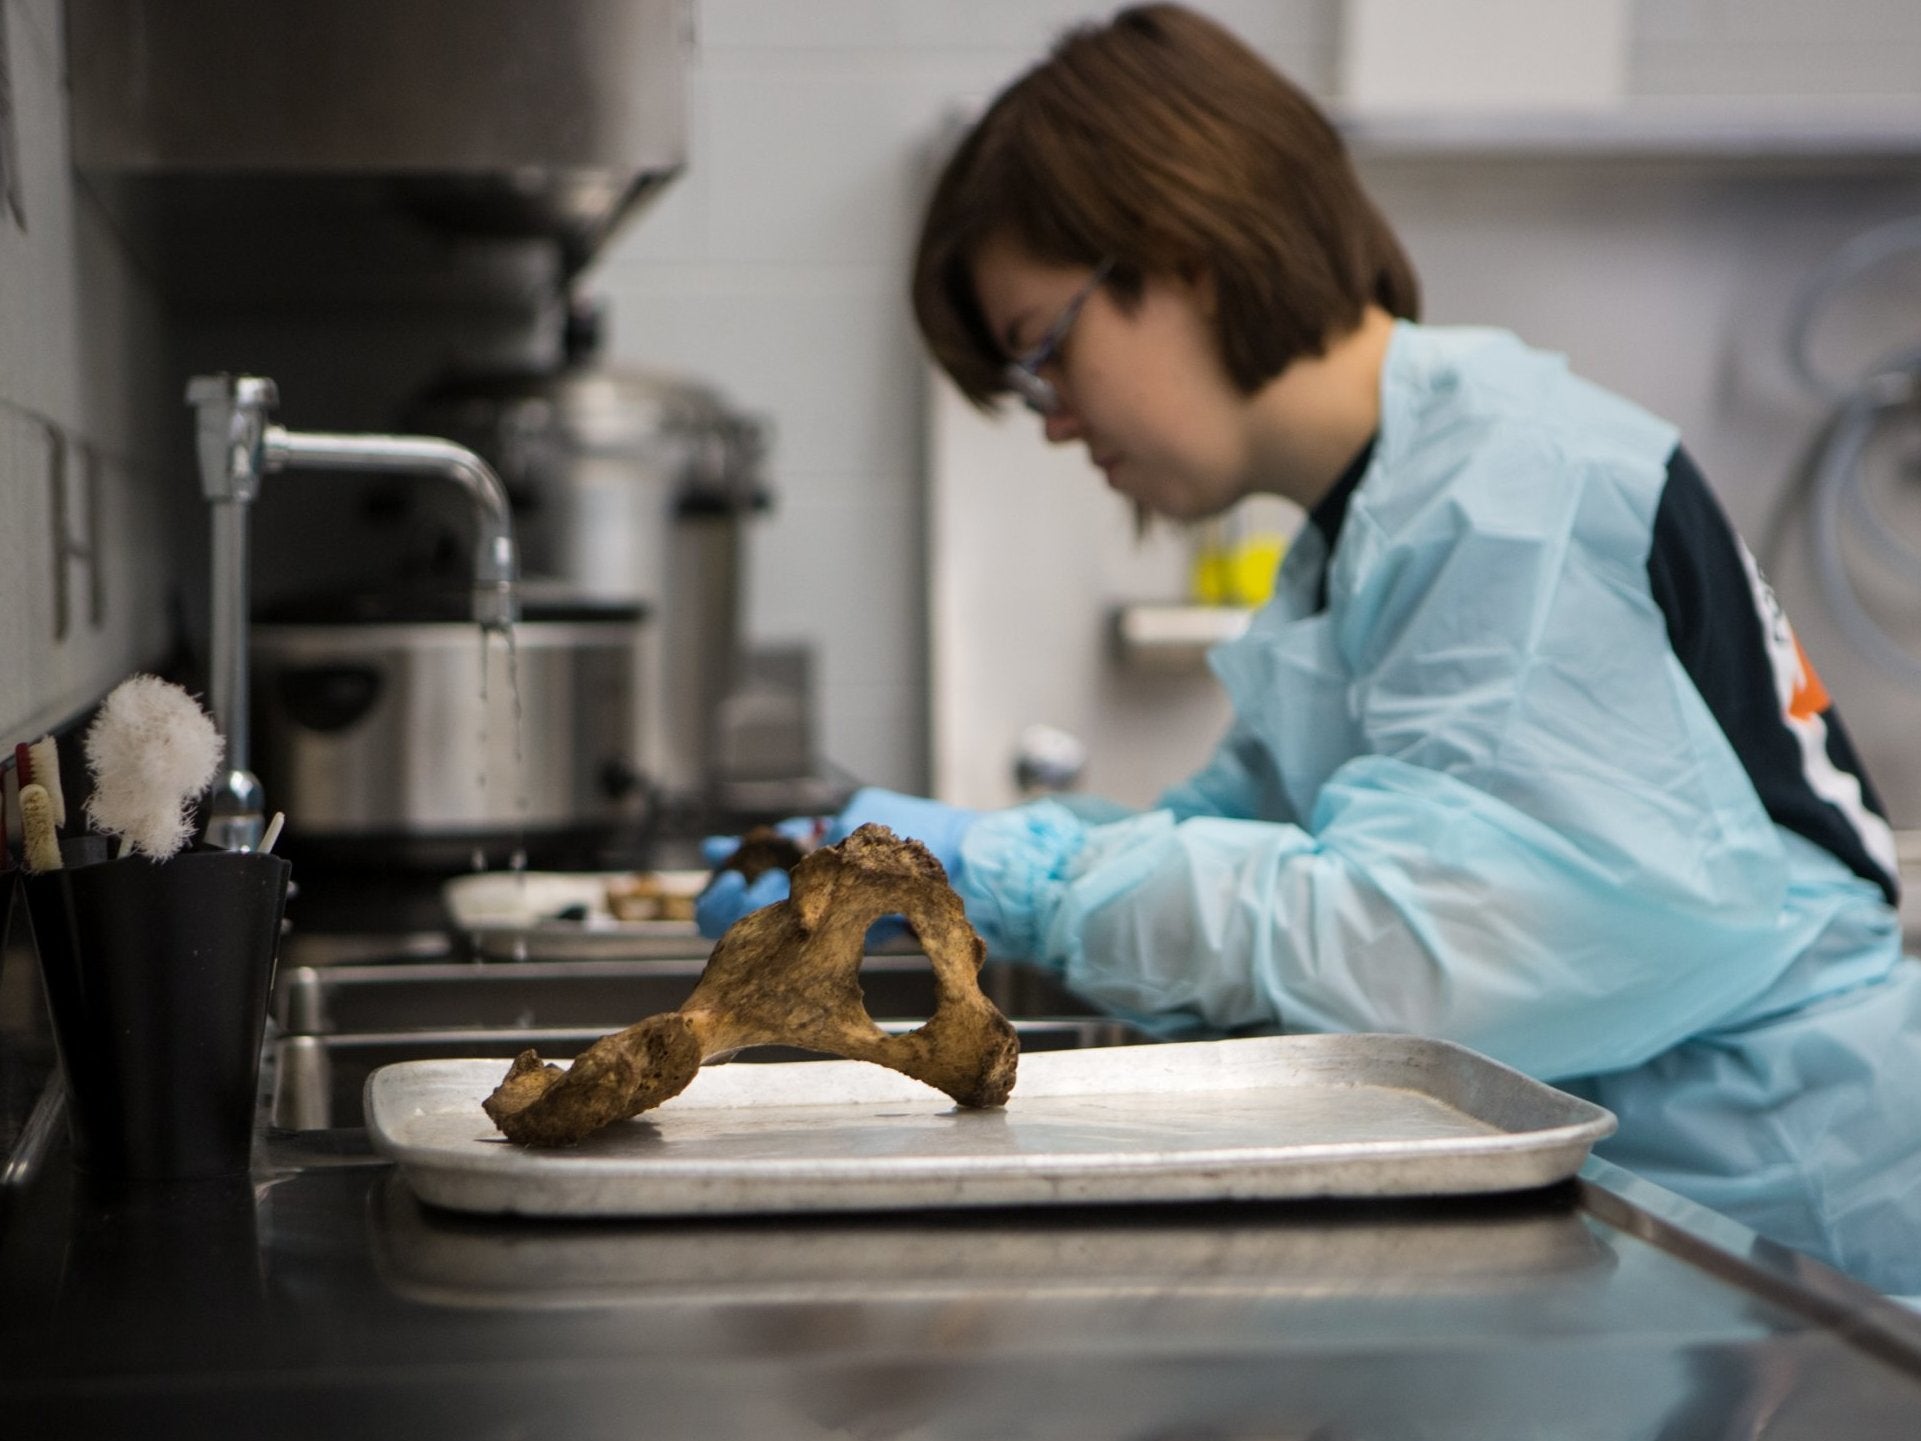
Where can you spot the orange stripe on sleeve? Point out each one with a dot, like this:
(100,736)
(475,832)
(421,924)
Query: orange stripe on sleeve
(1810,697)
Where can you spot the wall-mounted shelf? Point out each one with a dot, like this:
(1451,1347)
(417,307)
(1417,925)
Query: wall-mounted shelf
(1768,130)
(1174,637)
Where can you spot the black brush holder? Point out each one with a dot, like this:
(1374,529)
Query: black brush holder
(157,976)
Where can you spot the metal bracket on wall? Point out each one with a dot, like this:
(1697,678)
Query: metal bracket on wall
(67,550)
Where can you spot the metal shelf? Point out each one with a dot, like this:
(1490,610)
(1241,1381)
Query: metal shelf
(1759,129)
(1173,636)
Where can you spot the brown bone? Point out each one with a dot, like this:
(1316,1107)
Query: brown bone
(788,975)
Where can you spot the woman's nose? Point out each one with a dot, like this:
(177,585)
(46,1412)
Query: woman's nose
(1061,425)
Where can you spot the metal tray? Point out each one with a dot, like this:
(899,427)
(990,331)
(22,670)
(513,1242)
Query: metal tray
(1261,1118)
(509,916)
(594,940)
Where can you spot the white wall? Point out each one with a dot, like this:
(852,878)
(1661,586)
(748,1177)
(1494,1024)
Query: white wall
(79,355)
(777,268)
(1776,47)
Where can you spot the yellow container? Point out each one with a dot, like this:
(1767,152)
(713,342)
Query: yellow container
(1239,572)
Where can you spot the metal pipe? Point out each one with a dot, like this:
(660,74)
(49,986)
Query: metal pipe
(495,565)
(237,446)
(237,813)
(230,431)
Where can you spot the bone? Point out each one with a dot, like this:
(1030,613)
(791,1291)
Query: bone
(788,975)
(761,850)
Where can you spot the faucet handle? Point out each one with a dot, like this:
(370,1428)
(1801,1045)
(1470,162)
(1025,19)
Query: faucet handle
(249,390)
(232,432)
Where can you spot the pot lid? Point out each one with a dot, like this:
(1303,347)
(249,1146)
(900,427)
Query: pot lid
(665,423)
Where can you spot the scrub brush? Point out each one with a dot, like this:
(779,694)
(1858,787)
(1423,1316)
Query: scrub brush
(43,808)
(151,751)
(42,768)
(37,828)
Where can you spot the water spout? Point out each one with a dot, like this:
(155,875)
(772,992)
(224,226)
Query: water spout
(237,446)
(496,605)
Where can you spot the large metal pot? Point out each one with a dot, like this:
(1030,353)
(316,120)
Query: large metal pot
(422,741)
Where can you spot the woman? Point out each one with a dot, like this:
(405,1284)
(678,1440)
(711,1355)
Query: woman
(1525,755)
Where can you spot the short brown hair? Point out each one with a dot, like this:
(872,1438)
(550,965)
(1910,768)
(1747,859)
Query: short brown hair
(1162,143)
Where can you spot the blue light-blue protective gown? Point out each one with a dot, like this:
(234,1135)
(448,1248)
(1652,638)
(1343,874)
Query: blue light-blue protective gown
(1476,796)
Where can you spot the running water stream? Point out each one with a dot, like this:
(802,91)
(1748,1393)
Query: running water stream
(517,858)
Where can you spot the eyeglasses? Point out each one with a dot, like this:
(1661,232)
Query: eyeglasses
(1023,375)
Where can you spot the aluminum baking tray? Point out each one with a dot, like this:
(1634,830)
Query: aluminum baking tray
(1252,1119)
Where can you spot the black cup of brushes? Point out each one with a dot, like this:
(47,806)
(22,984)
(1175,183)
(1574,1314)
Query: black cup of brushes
(157,976)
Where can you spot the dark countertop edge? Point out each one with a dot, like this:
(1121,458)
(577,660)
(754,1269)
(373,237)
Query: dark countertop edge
(1881,1325)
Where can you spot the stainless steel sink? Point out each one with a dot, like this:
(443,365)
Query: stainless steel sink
(329,1000)
(340,1023)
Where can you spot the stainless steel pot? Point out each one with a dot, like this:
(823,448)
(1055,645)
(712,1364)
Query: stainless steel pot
(424,740)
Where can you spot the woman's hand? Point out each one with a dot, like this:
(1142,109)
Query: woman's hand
(935,824)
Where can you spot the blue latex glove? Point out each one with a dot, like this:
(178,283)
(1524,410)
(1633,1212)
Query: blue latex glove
(936,825)
(728,897)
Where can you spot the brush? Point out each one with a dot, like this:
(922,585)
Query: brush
(151,751)
(39,811)
(37,831)
(43,757)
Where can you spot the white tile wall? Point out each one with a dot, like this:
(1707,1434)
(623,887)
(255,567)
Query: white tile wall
(1777,47)
(79,349)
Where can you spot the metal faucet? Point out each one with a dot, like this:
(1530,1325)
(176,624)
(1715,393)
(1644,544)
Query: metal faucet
(237,446)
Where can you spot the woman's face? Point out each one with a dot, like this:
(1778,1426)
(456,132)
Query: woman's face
(1143,387)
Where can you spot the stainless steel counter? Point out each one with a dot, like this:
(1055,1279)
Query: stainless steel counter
(320,1298)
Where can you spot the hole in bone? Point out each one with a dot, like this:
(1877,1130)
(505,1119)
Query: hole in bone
(896,983)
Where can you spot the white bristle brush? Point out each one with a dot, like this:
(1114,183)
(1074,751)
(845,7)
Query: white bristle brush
(151,751)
